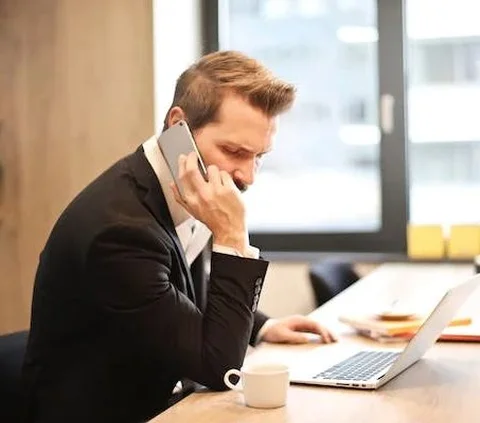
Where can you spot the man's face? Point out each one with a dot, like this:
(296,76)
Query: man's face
(237,140)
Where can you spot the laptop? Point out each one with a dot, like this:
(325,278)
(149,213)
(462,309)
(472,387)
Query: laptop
(370,369)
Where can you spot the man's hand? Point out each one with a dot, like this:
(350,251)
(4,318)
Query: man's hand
(293,329)
(216,202)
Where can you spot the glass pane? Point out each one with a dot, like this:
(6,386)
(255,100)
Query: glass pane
(323,175)
(444,107)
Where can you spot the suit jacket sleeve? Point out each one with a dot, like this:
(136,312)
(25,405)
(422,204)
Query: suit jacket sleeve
(258,321)
(134,285)
(200,276)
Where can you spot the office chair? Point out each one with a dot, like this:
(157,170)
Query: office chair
(12,352)
(329,278)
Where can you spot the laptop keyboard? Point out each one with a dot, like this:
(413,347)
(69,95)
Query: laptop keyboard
(360,366)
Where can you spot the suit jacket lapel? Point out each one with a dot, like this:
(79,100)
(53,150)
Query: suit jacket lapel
(154,200)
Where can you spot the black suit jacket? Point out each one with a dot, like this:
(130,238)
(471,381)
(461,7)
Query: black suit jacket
(118,319)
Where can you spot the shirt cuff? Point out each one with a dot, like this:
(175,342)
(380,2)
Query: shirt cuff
(263,329)
(250,252)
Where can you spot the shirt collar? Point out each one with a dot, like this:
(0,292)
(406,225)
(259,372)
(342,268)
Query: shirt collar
(161,169)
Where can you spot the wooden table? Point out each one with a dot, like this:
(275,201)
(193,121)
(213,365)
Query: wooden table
(442,387)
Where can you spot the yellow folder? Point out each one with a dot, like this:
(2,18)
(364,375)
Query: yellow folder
(425,241)
(464,241)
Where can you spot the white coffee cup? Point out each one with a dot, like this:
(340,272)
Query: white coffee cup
(263,385)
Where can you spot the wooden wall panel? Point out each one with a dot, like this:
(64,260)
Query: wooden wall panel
(76,94)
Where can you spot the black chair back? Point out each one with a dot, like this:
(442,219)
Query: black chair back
(12,352)
(329,278)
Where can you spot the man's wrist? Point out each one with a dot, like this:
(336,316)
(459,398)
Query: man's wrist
(264,329)
(248,252)
(238,241)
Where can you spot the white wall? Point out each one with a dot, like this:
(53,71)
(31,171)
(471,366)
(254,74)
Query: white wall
(287,290)
(177,44)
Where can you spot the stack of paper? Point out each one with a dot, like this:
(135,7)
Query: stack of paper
(460,328)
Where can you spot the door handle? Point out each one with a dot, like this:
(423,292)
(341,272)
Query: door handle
(387,109)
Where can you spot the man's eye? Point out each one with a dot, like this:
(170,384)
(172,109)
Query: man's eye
(231,151)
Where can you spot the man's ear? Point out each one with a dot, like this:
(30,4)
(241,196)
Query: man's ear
(175,115)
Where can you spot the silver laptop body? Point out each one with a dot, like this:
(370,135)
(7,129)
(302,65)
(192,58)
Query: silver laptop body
(370,369)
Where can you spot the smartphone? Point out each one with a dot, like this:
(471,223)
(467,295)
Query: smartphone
(177,140)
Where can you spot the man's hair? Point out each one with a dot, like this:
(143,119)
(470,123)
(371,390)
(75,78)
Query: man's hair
(201,88)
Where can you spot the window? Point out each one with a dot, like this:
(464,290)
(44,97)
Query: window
(445,61)
(343,184)
(444,99)
(305,169)
(245,7)
(356,112)
(327,184)
(470,61)
(439,63)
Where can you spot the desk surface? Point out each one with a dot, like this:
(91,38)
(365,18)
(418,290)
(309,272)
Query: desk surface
(442,387)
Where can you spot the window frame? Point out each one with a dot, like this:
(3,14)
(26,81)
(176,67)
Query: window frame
(391,238)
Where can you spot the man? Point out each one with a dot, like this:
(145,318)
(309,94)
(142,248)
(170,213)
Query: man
(121,308)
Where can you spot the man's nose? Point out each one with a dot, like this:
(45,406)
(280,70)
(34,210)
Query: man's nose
(247,173)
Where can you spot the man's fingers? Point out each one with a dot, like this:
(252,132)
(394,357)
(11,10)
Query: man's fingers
(227,180)
(304,324)
(195,178)
(214,176)
(326,335)
(309,325)
(176,194)
(297,338)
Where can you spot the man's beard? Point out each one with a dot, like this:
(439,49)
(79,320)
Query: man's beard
(241,186)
